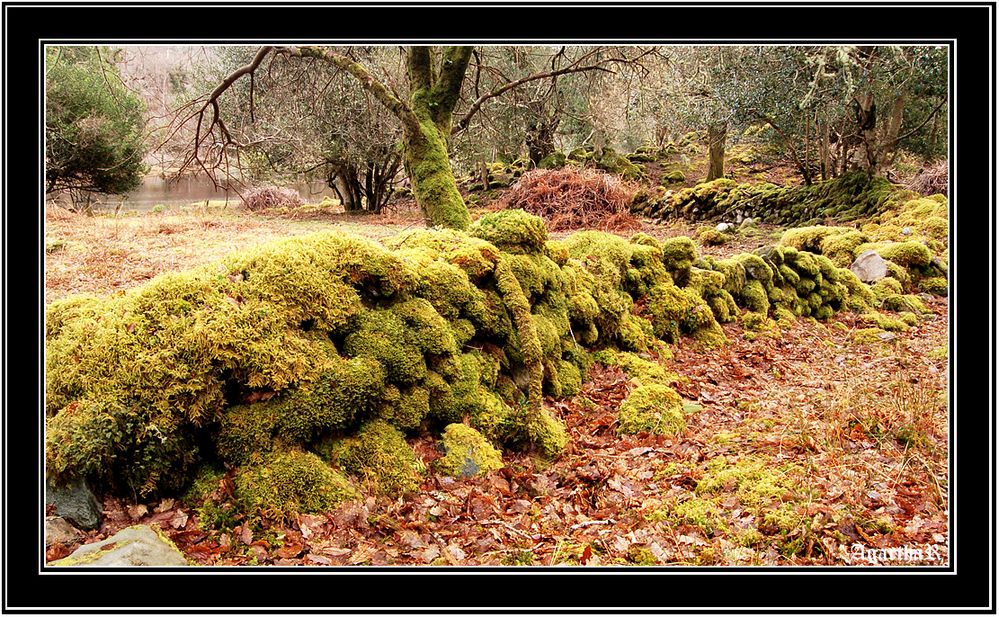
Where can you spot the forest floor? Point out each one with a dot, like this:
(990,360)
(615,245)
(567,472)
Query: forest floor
(804,446)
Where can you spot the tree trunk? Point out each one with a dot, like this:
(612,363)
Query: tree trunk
(433,183)
(823,131)
(716,152)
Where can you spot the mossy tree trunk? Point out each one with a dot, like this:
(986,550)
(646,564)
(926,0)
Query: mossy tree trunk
(426,122)
(716,151)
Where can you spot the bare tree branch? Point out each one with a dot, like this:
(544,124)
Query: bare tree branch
(576,67)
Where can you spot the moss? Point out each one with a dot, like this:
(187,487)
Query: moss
(555,160)
(380,457)
(885,288)
(674,176)
(906,254)
(885,322)
(713,237)
(841,248)
(385,337)
(645,372)
(513,231)
(755,481)
(701,513)
(936,285)
(811,238)
(754,297)
(898,303)
(868,336)
(654,409)
(679,255)
(468,453)
(609,160)
(289,483)
(757,322)
(910,319)
(785,318)
(433,181)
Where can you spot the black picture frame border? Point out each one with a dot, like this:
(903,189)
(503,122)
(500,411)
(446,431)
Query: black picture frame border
(965,586)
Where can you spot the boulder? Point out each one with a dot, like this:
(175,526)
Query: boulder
(59,531)
(75,503)
(134,546)
(723,227)
(869,267)
(747,223)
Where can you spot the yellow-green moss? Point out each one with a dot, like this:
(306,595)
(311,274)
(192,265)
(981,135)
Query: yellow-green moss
(380,457)
(644,371)
(936,285)
(654,409)
(885,322)
(898,303)
(513,231)
(867,336)
(289,483)
(468,453)
(713,237)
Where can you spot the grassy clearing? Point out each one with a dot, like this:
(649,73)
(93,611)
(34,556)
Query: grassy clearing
(109,252)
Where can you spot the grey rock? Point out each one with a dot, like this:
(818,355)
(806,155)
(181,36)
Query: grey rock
(135,546)
(906,231)
(869,267)
(887,337)
(747,223)
(75,503)
(723,227)
(59,531)
(936,261)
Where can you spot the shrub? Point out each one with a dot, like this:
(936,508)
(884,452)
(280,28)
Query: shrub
(264,197)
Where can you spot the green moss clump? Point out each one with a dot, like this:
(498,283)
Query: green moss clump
(754,297)
(645,372)
(468,453)
(713,237)
(898,303)
(906,254)
(654,409)
(513,231)
(756,482)
(289,483)
(379,455)
(701,513)
(810,238)
(885,322)
(555,160)
(841,247)
(885,288)
(384,336)
(679,255)
(868,336)
(936,285)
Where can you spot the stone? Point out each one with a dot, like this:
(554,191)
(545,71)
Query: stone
(869,267)
(747,223)
(936,261)
(134,546)
(906,231)
(887,337)
(59,531)
(75,503)
(723,227)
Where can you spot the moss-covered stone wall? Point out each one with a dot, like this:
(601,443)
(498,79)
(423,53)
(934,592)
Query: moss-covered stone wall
(328,350)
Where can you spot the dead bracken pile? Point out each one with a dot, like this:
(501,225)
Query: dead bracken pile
(930,180)
(266,197)
(572,198)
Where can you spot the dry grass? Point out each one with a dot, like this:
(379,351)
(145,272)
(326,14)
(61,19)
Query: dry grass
(104,253)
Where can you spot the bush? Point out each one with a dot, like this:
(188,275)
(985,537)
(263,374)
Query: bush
(572,198)
(264,197)
(93,124)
